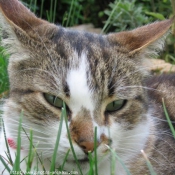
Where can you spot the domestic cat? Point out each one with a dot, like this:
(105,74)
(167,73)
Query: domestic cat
(104,83)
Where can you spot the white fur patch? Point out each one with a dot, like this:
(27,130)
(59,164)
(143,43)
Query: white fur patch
(129,143)
(80,94)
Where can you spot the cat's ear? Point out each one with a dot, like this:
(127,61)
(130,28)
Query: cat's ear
(146,37)
(19,17)
(19,25)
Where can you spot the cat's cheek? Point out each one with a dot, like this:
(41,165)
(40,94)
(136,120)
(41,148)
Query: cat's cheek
(116,133)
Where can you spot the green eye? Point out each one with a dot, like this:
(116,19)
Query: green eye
(115,105)
(53,100)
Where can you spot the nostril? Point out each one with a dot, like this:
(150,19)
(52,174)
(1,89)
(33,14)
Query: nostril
(87,146)
(83,147)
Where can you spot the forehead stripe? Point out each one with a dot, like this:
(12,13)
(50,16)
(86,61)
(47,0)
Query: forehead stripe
(80,93)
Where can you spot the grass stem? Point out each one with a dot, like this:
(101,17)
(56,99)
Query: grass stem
(110,17)
(16,166)
(70,12)
(149,165)
(69,137)
(95,151)
(52,168)
(168,118)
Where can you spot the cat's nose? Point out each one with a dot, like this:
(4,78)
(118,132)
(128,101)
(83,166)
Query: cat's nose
(82,133)
(87,146)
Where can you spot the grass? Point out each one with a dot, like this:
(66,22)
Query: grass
(168,118)
(70,140)
(93,158)
(4,85)
(149,165)
(52,168)
(16,165)
(107,24)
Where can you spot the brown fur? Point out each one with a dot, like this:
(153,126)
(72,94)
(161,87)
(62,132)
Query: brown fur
(135,40)
(42,55)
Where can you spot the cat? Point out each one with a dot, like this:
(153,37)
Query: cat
(104,83)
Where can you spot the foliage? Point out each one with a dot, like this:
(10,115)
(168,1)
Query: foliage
(59,11)
(3,72)
(127,15)
(130,14)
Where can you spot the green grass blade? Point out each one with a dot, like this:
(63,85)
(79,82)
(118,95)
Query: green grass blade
(65,159)
(41,8)
(109,19)
(64,19)
(51,12)
(54,11)
(4,84)
(113,163)
(70,12)
(7,145)
(40,160)
(120,161)
(91,164)
(35,6)
(52,168)
(150,167)
(16,166)
(30,155)
(48,16)
(5,164)
(168,119)
(30,5)
(68,133)
(95,151)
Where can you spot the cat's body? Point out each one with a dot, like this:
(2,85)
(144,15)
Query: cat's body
(88,72)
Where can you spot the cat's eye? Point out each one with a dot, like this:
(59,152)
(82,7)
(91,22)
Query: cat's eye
(115,105)
(53,100)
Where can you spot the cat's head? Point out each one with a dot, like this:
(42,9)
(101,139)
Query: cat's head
(99,77)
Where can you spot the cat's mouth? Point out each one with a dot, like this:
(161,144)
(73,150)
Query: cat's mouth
(83,160)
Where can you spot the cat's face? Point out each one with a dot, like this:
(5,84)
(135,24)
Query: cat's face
(98,77)
(100,85)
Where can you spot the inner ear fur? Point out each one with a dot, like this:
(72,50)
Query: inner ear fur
(140,38)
